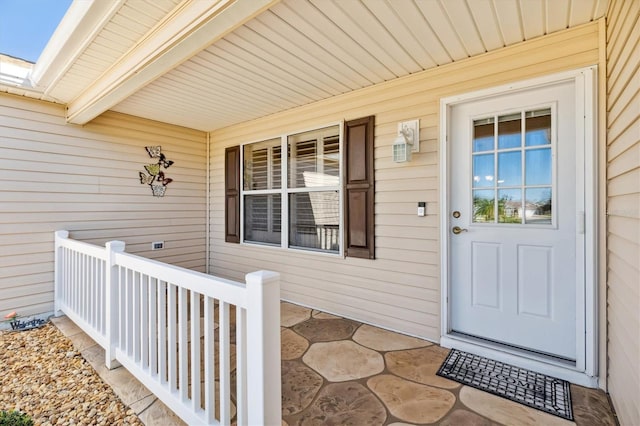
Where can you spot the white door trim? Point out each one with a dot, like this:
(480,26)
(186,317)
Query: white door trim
(586,370)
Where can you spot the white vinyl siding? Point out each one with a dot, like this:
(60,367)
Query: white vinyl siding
(400,289)
(623,208)
(85,179)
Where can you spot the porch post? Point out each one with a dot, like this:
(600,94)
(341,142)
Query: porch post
(111,302)
(58,270)
(263,348)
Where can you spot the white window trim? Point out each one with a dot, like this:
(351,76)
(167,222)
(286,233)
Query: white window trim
(285,191)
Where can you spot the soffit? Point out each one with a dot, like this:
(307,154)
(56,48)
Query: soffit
(129,24)
(14,78)
(302,51)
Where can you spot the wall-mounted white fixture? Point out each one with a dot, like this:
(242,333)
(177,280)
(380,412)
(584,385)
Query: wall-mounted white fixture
(408,141)
(422,208)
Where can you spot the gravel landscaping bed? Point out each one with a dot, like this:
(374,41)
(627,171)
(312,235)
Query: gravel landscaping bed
(42,375)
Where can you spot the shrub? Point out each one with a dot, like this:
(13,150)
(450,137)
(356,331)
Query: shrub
(14,418)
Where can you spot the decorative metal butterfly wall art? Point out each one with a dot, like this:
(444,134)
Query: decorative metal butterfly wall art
(155,177)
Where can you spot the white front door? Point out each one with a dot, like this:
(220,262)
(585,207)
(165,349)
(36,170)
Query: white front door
(516,227)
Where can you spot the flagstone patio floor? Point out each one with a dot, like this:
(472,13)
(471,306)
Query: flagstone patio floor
(337,371)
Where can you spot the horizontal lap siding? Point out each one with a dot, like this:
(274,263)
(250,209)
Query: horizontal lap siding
(85,179)
(400,289)
(623,207)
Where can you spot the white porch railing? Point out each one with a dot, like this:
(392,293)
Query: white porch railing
(175,331)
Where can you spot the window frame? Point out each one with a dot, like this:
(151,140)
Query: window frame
(285,191)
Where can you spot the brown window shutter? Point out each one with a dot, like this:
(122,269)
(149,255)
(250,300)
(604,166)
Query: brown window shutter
(359,188)
(232,194)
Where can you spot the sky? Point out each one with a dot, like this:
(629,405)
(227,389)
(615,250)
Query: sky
(27,25)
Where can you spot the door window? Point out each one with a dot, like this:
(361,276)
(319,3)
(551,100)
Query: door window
(512,160)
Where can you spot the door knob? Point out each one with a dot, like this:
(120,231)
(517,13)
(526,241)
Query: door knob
(457,230)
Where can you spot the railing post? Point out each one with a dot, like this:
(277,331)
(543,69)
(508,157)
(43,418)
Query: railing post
(263,348)
(58,270)
(111,302)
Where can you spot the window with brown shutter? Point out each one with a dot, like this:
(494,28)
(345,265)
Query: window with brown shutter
(307,198)
(232,194)
(359,188)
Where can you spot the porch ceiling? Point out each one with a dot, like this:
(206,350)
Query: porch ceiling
(295,52)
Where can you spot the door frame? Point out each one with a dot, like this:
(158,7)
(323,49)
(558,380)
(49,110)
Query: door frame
(585,370)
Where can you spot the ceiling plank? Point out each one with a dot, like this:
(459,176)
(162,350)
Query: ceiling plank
(441,25)
(371,17)
(255,66)
(600,9)
(416,22)
(486,19)
(402,32)
(464,25)
(510,20)
(183,34)
(231,74)
(581,11)
(273,53)
(140,17)
(326,33)
(557,15)
(533,21)
(348,16)
(291,39)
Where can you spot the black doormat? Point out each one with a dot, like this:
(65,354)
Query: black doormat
(527,387)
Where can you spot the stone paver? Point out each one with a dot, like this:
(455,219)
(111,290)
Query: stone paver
(347,403)
(143,404)
(591,407)
(292,345)
(382,340)
(291,314)
(326,330)
(343,360)
(300,384)
(507,412)
(420,365)
(461,417)
(159,415)
(337,371)
(411,402)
